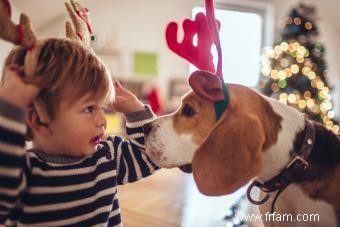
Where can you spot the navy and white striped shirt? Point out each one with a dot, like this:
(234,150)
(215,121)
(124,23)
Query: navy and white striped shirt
(37,189)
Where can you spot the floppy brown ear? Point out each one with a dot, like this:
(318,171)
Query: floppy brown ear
(231,155)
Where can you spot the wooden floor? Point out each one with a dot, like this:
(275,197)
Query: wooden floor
(169,198)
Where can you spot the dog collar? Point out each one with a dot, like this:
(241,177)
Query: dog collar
(293,172)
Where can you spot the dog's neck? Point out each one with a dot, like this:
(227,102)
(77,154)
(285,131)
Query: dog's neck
(277,156)
(322,178)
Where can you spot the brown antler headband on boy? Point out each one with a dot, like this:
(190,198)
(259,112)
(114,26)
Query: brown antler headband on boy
(23,35)
(82,31)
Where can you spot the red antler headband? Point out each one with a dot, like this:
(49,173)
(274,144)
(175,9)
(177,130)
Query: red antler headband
(206,82)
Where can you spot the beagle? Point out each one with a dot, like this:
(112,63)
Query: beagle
(256,138)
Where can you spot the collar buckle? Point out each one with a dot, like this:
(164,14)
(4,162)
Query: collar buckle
(298,160)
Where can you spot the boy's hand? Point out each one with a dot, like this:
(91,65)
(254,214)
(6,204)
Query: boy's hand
(125,101)
(14,90)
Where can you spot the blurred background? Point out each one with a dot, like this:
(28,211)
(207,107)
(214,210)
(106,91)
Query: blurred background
(288,50)
(283,49)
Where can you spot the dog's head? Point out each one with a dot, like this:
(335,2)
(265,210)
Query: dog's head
(224,154)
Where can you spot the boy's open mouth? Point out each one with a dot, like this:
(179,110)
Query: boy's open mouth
(96,139)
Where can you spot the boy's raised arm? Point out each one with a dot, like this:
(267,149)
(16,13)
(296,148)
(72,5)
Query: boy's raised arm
(132,162)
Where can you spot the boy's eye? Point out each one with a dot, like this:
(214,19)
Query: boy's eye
(89,109)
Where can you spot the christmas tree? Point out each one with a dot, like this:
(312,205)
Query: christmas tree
(294,71)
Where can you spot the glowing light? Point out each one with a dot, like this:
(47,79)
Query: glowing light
(325,106)
(300,59)
(264,60)
(302,104)
(318,47)
(273,74)
(291,98)
(336,129)
(282,75)
(311,75)
(284,62)
(282,83)
(308,25)
(297,20)
(295,68)
(325,90)
(288,72)
(322,94)
(301,50)
(313,83)
(278,50)
(325,119)
(331,114)
(329,124)
(307,95)
(306,70)
(269,52)
(275,87)
(310,103)
(308,64)
(266,70)
(283,98)
(306,53)
(296,45)
(284,46)
(320,85)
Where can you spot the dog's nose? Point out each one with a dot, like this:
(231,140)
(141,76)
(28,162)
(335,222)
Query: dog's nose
(147,128)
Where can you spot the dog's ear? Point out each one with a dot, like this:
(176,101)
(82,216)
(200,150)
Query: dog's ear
(231,154)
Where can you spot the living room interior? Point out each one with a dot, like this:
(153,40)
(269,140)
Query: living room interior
(129,36)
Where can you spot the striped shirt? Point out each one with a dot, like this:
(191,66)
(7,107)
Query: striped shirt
(37,189)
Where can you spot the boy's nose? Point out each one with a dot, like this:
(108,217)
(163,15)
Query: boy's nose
(101,119)
(147,128)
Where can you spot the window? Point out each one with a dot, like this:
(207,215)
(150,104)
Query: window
(242,37)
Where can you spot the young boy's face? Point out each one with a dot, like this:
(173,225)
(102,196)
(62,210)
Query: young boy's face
(78,128)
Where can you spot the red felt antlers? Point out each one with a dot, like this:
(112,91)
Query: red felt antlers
(207,82)
(199,55)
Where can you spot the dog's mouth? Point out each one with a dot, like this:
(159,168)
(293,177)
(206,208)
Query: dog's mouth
(186,168)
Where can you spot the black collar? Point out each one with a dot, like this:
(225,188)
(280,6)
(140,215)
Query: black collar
(293,172)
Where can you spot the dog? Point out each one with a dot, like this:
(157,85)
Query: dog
(256,138)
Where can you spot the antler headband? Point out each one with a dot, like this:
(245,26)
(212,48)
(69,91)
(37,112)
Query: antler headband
(23,35)
(206,82)
(82,31)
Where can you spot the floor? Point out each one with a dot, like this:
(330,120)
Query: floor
(170,198)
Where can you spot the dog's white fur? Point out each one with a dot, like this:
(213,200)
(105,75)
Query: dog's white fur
(171,147)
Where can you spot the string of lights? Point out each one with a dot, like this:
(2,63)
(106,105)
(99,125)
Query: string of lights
(293,71)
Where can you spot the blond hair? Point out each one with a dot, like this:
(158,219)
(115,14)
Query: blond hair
(65,65)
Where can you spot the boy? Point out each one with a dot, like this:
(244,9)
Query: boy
(70,175)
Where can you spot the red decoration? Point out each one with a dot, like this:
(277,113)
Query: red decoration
(206,28)
(154,100)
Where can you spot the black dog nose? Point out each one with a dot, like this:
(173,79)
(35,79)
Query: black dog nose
(147,128)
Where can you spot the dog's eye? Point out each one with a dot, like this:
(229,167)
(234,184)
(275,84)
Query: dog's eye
(187,111)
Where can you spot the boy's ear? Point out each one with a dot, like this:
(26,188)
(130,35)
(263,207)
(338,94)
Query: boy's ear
(35,123)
